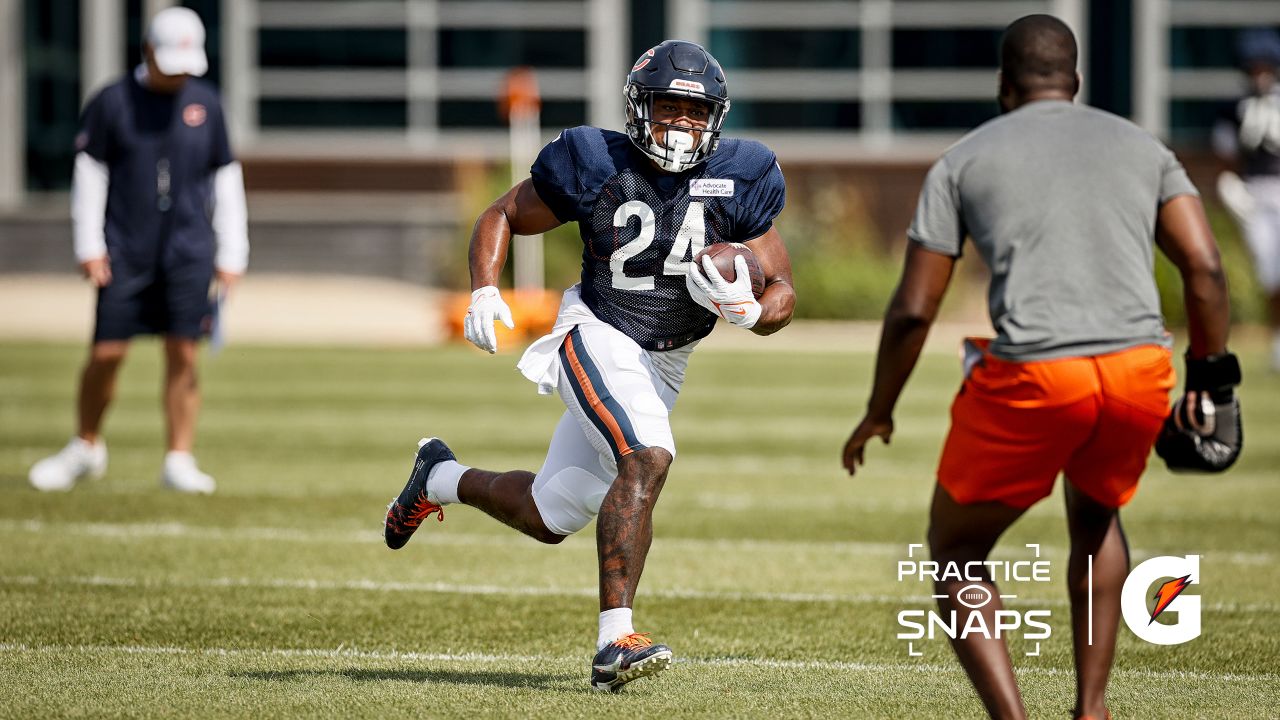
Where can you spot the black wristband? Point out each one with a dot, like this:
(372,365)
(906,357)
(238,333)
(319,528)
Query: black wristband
(1216,373)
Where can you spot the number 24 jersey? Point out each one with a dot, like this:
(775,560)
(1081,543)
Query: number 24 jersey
(641,226)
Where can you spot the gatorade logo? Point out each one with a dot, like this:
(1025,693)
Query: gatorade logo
(1175,574)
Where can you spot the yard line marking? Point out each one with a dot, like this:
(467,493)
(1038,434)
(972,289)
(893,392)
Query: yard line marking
(141,531)
(343,653)
(443,588)
(336,653)
(536,591)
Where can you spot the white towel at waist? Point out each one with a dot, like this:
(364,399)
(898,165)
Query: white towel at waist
(541,362)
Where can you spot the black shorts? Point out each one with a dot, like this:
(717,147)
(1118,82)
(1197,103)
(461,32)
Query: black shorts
(155,301)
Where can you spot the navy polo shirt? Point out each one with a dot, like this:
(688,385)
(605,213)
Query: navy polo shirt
(160,151)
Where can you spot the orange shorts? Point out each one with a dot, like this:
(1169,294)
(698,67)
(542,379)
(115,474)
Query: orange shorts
(1016,425)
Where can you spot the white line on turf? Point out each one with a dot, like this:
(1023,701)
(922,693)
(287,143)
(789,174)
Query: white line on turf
(543,591)
(142,531)
(445,588)
(341,653)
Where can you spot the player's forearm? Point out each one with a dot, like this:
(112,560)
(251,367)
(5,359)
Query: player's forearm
(1183,233)
(490,240)
(901,340)
(1204,291)
(776,307)
(911,312)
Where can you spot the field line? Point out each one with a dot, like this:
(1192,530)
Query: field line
(343,653)
(905,601)
(449,589)
(373,536)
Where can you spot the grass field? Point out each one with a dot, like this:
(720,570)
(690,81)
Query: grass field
(772,574)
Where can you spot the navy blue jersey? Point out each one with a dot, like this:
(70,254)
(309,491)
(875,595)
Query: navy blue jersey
(641,226)
(160,151)
(1255,120)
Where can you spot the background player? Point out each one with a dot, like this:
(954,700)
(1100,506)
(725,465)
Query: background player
(646,203)
(1248,139)
(151,155)
(1062,202)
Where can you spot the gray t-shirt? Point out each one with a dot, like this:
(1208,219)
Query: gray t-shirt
(1061,201)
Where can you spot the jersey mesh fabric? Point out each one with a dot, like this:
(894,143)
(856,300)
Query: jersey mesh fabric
(661,318)
(1257,124)
(587,175)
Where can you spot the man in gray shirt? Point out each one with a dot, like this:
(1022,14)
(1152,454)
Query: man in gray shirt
(1062,202)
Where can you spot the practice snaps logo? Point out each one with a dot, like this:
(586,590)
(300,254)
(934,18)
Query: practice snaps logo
(1168,597)
(916,626)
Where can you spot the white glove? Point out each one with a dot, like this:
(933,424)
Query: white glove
(1235,195)
(486,304)
(732,301)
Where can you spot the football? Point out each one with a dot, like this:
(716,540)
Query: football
(722,256)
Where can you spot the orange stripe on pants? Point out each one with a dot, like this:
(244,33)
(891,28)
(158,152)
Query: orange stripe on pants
(593,399)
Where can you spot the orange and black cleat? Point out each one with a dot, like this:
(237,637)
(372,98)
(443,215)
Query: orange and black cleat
(628,658)
(406,513)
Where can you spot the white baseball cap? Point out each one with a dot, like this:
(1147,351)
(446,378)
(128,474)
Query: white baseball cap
(176,35)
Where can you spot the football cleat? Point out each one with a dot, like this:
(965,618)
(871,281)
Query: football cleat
(628,658)
(62,471)
(181,474)
(406,512)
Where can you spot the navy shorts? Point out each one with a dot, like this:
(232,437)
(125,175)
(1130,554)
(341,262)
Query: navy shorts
(155,301)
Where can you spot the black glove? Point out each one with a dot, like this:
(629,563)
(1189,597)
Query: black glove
(1203,432)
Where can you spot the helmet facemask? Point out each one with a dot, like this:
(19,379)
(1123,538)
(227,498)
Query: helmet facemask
(679,151)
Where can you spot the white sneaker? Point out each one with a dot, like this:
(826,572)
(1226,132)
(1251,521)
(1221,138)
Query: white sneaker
(79,459)
(181,474)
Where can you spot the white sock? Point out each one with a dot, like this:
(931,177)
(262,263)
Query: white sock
(442,482)
(614,624)
(178,457)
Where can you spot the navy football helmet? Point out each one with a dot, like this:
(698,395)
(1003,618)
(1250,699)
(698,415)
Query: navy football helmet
(676,67)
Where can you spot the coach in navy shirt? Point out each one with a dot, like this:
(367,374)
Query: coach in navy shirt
(159,212)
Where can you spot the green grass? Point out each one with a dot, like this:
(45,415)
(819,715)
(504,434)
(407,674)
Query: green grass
(772,575)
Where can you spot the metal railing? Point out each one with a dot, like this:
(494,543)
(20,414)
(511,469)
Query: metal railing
(1156,83)
(876,83)
(422,83)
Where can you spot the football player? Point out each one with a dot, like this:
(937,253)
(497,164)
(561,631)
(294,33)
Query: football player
(1247,138)
(646,202)
(1063,203)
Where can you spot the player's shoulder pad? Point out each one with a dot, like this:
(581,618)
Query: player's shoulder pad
(573,168)
(595,154)
(745,160)
(588,145)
